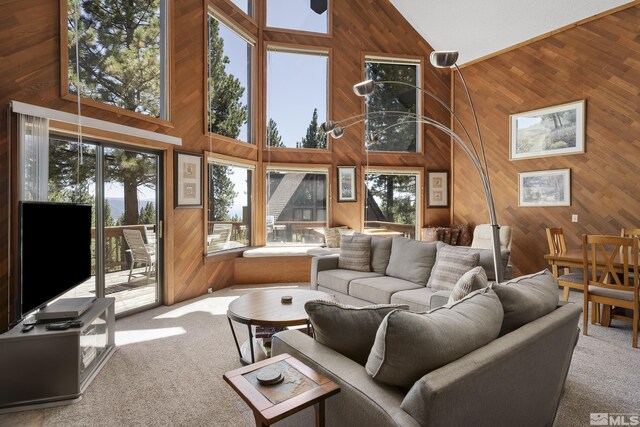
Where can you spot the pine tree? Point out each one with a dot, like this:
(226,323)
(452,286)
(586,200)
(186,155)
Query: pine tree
(273,135)
(226,112)
(315,137)
(108,219)
(147,214)
(221,192)
(119,52)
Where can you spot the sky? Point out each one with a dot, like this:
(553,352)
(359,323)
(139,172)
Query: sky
(296,84)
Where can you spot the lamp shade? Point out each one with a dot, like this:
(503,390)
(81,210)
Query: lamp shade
(364,88)
(443,58)
(328,126)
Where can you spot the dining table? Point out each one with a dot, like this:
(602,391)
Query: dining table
(574,258)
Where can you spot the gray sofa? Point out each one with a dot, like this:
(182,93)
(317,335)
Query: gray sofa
(515,379)
(400,274)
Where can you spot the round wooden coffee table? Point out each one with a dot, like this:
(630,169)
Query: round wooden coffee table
(264,308)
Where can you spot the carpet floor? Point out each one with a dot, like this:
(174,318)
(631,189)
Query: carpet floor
(167,371)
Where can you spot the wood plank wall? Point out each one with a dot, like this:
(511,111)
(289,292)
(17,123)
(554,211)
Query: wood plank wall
(598,61)
(30,71)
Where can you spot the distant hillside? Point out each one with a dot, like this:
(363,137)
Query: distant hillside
(117,206)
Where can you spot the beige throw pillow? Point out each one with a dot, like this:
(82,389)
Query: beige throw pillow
(355,253)
(449,267)
(332,237)
(470,281)
(348,330)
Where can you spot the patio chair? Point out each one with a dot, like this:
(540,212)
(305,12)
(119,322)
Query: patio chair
(138,252)
(220,237)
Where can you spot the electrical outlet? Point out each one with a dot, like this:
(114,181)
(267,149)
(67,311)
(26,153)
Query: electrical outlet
(574,218)
(210,291)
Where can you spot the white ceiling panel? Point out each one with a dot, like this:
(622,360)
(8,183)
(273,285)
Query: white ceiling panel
(477,28)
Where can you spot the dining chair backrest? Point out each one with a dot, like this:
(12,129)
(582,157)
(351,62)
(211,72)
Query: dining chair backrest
(630,232)
(555,239)
(611,262)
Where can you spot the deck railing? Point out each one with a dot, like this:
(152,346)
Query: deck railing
(115,254)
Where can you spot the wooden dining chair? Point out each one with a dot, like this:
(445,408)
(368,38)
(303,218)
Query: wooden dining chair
(566,279)
(630,232)
(613,282)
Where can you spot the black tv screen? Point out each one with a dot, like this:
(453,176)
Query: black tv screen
(55,251)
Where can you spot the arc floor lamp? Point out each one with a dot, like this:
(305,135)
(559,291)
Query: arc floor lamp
(439,59)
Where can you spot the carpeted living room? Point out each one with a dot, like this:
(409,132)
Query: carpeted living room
(313,212)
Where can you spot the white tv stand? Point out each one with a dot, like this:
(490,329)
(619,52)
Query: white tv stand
(47,368)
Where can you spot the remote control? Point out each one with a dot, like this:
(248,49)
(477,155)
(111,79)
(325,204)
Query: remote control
(75,323)
(58,326)
(27,328)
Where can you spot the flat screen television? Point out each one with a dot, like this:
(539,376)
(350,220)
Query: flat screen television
(55,252)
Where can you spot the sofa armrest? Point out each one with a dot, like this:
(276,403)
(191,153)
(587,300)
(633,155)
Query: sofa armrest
(508,272)
(361,401)
(320,263)
(516,379)
(438,299)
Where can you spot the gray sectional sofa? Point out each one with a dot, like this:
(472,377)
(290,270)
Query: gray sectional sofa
(514,379)
(401,270)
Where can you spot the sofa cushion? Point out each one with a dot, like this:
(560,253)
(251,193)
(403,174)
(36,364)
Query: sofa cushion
(417,299)
(378,290)
(411,260)
(527,298)
(380,253)
(450,266)
(347,329)
(355,253)
(409,345)
(338,280)
(486,258)
(470,281)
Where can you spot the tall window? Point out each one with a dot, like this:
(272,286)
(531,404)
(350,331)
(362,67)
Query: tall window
(391,202)
(230,208)
(296,206)
(244,5)
(121,53)
(393,131)
(296,98)
(299,15)
(229,93)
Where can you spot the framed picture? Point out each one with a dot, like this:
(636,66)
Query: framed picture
(438,189)
(545,188)
(552,131)
(346,183)
(187,182)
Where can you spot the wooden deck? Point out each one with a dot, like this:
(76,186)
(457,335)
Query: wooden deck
(128,295)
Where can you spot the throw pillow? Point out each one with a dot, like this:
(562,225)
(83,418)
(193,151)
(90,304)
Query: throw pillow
(409,345)
(464,238)
(470,281)
(380,253)
(449,267)
(486,258)
(526,299)
(411,260)
(355,253)
(455,234)
(430,234)
(348,330)
(332,237)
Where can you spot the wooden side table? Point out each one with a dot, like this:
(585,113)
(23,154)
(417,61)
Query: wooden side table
(301,388)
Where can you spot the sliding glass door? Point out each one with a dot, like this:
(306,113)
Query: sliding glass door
(123,185)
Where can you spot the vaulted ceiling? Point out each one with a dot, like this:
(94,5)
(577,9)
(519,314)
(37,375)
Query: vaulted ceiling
(479,28)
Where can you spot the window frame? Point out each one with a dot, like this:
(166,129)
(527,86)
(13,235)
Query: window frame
(241,32)
(314,34)
(387,58)
(252,9)
(166,70)
(302,50)
(296,168)
(418,172)
(221,159)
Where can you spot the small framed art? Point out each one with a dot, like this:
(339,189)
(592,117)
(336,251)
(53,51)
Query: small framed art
(438,189)
(544,188)
(347,184)
(187,182)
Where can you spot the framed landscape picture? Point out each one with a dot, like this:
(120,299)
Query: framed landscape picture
(552,131)
(438,189)
(545,188)
(346,183)
(187,182)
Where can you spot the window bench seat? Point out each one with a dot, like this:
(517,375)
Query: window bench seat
(277,264)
